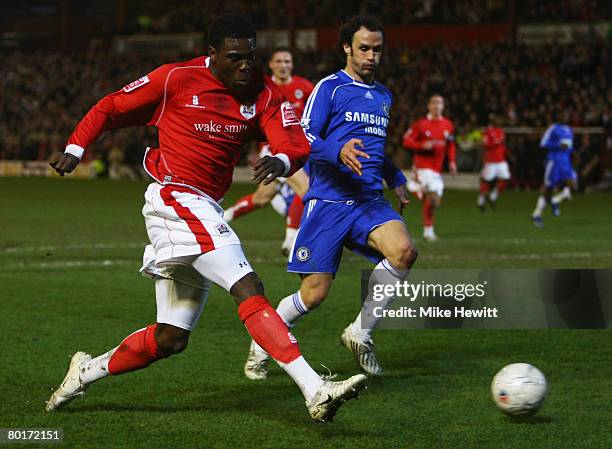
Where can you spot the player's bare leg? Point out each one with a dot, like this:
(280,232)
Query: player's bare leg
(393,241)
(431,201)
(253,201)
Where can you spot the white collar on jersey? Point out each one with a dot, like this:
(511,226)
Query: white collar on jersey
(358,83)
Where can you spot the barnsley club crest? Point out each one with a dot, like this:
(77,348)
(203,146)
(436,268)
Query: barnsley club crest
(247,111)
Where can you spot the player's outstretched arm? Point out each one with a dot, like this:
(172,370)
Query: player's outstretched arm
(133,105)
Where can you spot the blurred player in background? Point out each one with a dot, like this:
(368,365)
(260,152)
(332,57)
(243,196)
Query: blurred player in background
(206,110)
(286,194)
(432,138)
(495,172)
(346,120)
(559,174)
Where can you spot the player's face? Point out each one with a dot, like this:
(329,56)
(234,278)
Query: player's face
(281,65)
(233,64)
(436,106)
(363,56)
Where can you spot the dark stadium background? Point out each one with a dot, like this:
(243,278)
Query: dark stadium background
(531,62)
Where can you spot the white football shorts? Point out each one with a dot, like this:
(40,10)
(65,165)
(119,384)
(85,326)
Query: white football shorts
(191,248)
(495,170)
(426,180)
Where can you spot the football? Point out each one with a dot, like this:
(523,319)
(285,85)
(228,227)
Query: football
(519,389)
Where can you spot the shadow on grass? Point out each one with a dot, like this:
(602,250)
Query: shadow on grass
(277,403)
(529,420)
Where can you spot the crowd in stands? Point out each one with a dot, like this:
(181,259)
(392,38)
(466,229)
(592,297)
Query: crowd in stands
(194,15)
(43,94)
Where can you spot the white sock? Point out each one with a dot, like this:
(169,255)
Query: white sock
(481,200)
(493,195)
(304,376)
(384,274)
(540,206)
(290,310)
(96,368)
(563,195)
(428,230)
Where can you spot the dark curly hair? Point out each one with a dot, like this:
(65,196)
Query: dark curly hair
(232,26)
(351,26)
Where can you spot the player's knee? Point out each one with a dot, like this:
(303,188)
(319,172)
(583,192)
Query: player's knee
(171,339)
(250,285)
(403,256)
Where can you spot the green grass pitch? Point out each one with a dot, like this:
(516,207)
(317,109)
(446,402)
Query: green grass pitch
(69,257)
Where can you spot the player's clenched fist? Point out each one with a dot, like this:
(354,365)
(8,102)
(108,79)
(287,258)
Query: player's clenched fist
(267,169)
(349,153)
(63,163)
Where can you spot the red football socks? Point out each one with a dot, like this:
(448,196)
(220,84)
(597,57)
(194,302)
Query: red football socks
(137,351)
(243,206)
(268,329)
(294,214)
(427,212)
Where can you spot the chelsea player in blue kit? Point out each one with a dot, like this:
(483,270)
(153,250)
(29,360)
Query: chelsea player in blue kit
(346,120)
(559,173)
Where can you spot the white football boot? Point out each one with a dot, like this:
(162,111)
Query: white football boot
(331,395)
(71,387)
(256,366)
(363,351)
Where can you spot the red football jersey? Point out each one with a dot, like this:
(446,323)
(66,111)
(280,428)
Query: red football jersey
(440,132)
(494,143)
(297,92)
(202,127)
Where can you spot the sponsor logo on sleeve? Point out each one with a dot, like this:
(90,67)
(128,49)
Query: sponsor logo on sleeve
(288,114)
(136,84)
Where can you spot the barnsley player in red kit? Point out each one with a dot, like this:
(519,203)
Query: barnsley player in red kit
(296,90)
(495,172)
(432,138)
(205,109)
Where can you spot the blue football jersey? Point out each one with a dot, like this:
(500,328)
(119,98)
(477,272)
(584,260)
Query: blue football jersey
(339,109)
(559,141)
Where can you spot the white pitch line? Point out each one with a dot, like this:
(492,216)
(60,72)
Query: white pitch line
(264,242)
(35,249)
(258,260)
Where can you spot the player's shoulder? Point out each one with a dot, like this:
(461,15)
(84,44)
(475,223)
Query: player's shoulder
(448,122)
(384,89)
(265,91)
(329,83)
(302,82)
(194,63)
